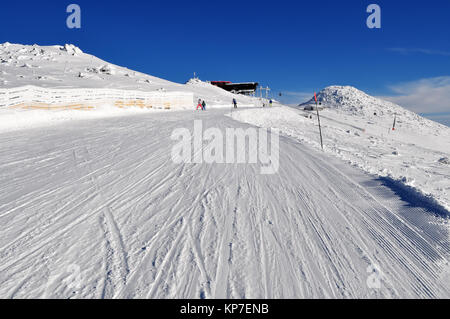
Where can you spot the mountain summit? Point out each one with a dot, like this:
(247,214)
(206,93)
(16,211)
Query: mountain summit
(351,100)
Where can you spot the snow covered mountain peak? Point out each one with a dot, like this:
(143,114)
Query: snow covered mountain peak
(341,94)
(350,100)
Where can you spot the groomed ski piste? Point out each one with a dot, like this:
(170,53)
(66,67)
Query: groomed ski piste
(92,204)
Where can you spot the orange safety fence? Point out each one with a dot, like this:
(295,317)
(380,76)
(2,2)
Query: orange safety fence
(31,97)
(43,106)
(139,103)
(120,104)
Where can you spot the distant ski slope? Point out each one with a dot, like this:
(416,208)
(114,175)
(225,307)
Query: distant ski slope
(102,199)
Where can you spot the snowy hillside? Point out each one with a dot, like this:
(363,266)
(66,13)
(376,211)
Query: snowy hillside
(358,128)
(68,67)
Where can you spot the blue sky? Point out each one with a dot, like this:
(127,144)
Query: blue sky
(295,47)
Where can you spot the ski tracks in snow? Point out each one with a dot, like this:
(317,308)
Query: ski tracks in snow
(116,266)
(106,196)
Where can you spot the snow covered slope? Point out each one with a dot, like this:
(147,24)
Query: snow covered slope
(68,67)
(97,209)
(358,128)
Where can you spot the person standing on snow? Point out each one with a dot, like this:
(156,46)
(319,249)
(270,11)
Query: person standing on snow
(235,103)
(199,105)
(204,105)
(270,103)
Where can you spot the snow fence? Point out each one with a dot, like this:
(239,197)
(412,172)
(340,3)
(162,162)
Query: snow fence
(32,97)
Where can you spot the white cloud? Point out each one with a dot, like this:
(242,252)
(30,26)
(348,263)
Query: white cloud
(422,51)
(442,118)
(430,95)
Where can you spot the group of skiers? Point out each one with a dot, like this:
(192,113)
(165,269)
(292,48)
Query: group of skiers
(270,103)
(201,104)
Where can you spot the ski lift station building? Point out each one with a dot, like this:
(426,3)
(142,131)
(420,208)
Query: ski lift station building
(247,88)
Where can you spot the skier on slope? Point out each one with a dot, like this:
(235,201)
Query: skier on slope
(270,103)
(199,105)
(235,103)
(204,105)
